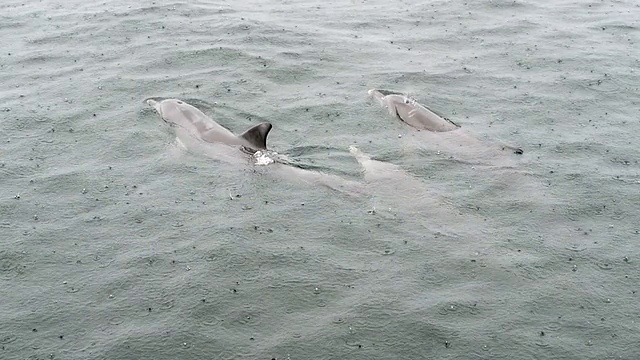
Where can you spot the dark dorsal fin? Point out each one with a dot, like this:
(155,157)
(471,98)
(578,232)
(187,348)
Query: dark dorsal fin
(257,136)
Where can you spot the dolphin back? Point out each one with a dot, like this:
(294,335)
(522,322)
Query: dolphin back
(257,136)
(201,127)
(411,112)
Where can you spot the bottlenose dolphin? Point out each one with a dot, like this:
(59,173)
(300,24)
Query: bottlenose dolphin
(187,118)
(412,113)
(198,133)
(441,133)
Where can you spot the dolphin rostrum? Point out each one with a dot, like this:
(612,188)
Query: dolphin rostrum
(198,125)
(412,113)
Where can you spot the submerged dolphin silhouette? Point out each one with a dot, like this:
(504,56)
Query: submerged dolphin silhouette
(412,113)
(198,125)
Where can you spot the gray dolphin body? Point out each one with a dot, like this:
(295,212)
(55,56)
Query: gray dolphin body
(412,113)
(198,125)
(442,133)
(199,134)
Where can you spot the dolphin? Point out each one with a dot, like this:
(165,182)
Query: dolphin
(410,112)
(196,124)
(441,133)
(198,133)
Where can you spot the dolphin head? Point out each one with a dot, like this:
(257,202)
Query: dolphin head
(177,113)
(157,106)
(383,97)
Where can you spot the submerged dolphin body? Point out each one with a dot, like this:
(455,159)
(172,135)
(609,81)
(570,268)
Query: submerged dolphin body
(196,124)
(395,191)
(412,113)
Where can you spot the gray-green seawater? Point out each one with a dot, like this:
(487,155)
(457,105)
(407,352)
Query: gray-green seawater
(113,247)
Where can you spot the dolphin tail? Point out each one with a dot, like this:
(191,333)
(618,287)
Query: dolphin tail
(257,136)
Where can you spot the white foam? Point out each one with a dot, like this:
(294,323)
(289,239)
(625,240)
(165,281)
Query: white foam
(264,157)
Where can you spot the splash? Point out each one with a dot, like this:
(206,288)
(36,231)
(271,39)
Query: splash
(265,157)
